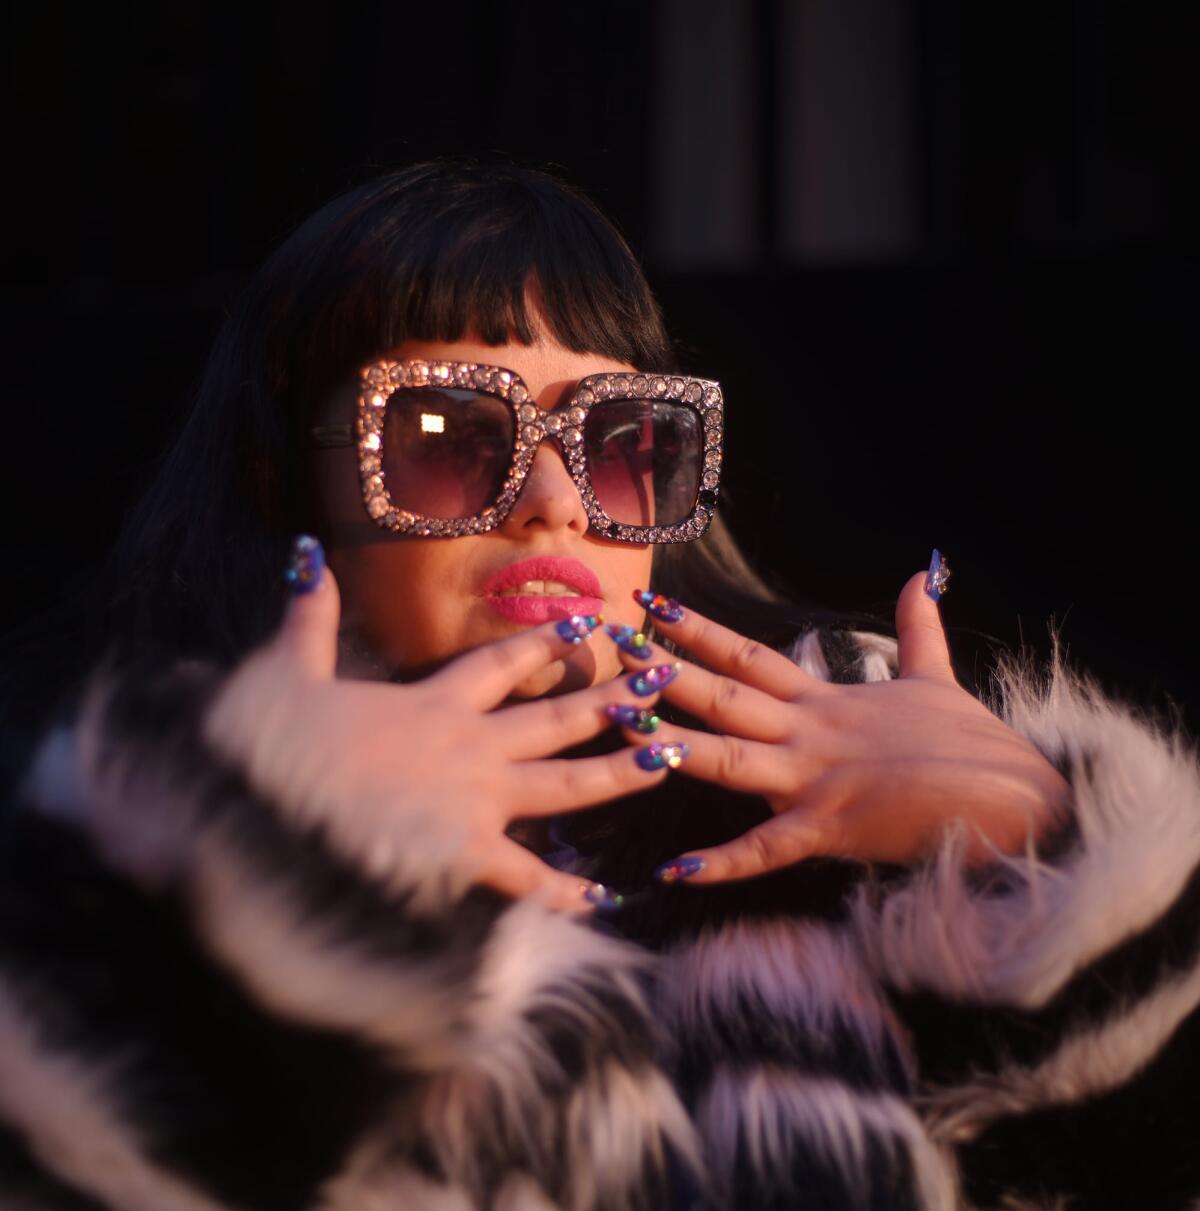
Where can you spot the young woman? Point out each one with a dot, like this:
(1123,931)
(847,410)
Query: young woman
(306,913)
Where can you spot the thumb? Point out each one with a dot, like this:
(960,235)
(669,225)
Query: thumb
(923,651)
(309,633)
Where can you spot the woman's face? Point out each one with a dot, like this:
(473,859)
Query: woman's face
(419,601)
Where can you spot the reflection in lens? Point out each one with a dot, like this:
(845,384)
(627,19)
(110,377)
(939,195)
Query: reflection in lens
(644,457)
(445,451)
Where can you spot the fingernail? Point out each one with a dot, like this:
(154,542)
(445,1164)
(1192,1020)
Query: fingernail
(305,565)
(630,641)
(665,609)
(653,680)
(679,869)
(938,576)
(600,896)
(578,627)
(640,718)
(660,756)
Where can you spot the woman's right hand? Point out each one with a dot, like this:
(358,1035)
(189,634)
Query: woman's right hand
(424,777)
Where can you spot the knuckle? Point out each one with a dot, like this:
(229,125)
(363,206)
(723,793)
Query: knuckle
(764,849)
(564,715)
(747,656)
(731,760)
(725,695)
(574,779)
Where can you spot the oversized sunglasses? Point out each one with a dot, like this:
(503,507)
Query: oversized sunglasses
(444,448)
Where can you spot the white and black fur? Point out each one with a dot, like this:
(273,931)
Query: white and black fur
(204,1005)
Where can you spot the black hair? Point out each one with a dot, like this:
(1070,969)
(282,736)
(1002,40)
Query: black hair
(424,252)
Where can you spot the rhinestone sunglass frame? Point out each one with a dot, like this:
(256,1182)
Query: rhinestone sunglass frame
(531,426)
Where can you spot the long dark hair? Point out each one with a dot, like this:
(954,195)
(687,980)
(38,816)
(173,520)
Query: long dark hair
(418,253)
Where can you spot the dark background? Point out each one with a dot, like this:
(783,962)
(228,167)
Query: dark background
(940,255)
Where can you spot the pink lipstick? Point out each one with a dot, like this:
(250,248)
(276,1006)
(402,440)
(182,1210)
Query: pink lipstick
(537,590)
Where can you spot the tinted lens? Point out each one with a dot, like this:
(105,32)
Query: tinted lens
(644,457)
(445,452)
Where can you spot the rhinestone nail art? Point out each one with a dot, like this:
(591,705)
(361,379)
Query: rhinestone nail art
(640,718)
(665,609)
(578,627)
(938,576)
(661,756)
(305,565)
(601,896)
(631,641)
(679,869)
(652,680)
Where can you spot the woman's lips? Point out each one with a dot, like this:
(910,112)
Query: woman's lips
(532,608)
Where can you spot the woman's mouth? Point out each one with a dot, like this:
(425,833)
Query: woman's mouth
(529,603)
(541,589)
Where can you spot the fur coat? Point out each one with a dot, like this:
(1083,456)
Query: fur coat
(203,1007)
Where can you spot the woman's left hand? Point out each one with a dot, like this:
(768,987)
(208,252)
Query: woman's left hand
(871,770)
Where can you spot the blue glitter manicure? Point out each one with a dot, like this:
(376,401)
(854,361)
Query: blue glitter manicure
(659,756)
(578,627)
(679,869)
(305,565)
(640,718)
(665,609)
(653,680)
(630,641)
(938,576)
(601,896)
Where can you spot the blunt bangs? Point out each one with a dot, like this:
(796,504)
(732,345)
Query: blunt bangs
(434,250)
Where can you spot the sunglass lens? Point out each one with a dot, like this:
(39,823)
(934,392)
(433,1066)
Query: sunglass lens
(445,451)
(645,458)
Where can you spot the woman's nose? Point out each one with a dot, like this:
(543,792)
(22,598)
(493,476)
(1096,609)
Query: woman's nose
(548,497)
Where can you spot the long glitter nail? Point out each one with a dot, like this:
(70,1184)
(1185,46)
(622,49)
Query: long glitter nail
(938,576)
(305,565)
(640,718)
(652,680)
(679,869)
(630,641)
(601,896)
(661,756)
(578,627)
(665,609)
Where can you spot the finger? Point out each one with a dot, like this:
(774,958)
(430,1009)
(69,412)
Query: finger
(729,705)
(922,647)
(485,676)
(534,729)
(725,651)
(309,632)
(781,841)
(733,762)
(564,783)
(516,872)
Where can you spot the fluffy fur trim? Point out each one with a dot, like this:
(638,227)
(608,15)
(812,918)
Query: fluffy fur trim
(387,1187)
(310,967)
(795,1070)
(807,653)
(67,1110)
(782,1140)
(881,655)
(415,849)
(1089,1061)
(559,1069)
(783,990)
(1017,937)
